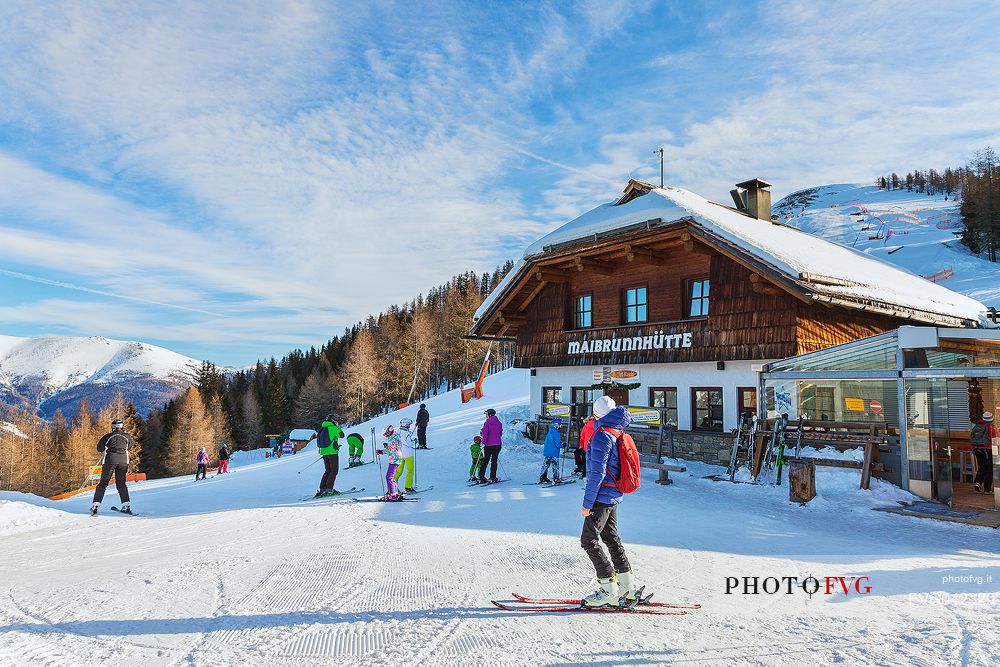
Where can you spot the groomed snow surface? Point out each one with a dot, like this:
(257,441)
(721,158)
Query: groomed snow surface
(234,570)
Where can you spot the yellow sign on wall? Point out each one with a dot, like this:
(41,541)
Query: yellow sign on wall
(854,404)
(556,410)
(645,416)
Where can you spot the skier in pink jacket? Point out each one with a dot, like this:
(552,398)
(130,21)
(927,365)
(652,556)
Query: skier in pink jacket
(202,461)
(492,435)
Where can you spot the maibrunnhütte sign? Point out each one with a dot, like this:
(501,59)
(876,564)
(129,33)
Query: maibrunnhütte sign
(657,341)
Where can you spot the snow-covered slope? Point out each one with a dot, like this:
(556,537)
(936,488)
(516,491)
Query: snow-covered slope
(910,229)
(54,372)
(236,570)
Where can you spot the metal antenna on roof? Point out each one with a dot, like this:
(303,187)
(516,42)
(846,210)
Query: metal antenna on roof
(660,151)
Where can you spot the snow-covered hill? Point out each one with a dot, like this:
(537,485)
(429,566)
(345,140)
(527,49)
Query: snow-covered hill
(237,570)
(53,372)
(909,229)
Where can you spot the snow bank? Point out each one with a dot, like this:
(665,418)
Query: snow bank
(20,512)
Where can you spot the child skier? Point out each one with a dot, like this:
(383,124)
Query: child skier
(356,447)
(202,460)
(551,451)
(405,436)
(391,450)
(477,453)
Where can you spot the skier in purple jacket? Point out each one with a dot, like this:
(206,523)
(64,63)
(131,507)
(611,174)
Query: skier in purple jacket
(492,435)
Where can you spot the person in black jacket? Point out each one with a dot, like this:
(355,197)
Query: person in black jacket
(423,417)
(115,447)
(223,459)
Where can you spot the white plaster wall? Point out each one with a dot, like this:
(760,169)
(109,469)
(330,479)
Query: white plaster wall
(683,376)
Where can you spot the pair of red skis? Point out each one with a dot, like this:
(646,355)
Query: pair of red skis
(643,606)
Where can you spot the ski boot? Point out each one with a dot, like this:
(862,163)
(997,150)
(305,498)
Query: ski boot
(320,493)
(392,497)
(483,480)
(605,596)
(126,508)
(333,492)
(628,595)
(94,508)
(544,479)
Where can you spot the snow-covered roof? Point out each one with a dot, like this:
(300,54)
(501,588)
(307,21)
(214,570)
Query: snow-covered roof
(302,434)
(827,269)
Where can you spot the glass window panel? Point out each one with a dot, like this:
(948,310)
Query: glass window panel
(874,353)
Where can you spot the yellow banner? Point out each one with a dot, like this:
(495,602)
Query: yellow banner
(556,410)
(854,404)
(645,416)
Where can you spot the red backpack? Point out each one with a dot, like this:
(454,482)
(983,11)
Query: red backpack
(628,460)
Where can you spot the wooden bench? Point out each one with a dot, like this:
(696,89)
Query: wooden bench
(664,468)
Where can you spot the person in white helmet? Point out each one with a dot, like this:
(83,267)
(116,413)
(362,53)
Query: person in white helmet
(982,436)
(406,462)
(601,497)
(115,446)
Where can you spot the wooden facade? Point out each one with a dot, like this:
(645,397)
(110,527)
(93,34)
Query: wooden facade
(756,310)
(743,322)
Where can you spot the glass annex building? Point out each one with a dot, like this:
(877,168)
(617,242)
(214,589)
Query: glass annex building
(924,386)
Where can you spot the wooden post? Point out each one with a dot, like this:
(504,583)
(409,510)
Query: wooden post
(801,480)
(758,454)
(871,453)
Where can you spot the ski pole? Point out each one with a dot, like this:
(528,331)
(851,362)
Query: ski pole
(99,463)
(502,469)
(378,460)
(311,464)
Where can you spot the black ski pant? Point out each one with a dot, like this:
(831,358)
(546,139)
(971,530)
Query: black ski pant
(601,525)
(491,456)
(422,437)
(119,470)
(984,460)
(580,457)
(202,467)
(332,464)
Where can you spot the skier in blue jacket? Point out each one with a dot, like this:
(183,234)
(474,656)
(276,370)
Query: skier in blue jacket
(551,450)
(600,509)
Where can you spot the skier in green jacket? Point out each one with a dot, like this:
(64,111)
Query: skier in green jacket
(356,446)
(329,448)
(477,453)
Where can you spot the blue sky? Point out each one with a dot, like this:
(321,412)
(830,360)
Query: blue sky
(233,180)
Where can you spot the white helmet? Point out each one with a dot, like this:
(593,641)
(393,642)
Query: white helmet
(405,423)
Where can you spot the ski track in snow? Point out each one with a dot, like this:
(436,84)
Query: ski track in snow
(237,571)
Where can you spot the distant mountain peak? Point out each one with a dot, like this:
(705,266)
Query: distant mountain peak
(56,372)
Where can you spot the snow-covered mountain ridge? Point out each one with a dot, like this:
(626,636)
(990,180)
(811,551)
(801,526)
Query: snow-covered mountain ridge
(912,230)
(52,372)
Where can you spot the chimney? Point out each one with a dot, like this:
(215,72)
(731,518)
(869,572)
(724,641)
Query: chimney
(753,197)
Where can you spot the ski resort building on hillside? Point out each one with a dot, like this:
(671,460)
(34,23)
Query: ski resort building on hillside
(663,299)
